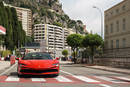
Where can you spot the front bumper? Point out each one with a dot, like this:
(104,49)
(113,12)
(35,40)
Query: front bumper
(28,71)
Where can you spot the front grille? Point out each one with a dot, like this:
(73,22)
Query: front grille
(38,71)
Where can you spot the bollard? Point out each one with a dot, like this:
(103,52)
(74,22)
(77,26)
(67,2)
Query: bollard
(12,60)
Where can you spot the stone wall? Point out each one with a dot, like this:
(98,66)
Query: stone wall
(113,62)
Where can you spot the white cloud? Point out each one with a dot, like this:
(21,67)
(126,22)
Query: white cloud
(83,10)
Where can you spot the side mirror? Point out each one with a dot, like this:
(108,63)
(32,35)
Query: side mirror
(17,58)
(57,58)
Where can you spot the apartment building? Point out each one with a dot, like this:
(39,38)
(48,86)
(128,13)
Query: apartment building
(25,16)
(51,37)
(117,30)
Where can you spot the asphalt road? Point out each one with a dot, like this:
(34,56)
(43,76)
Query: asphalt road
(70,76)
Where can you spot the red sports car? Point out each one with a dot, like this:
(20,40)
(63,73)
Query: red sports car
(38,64)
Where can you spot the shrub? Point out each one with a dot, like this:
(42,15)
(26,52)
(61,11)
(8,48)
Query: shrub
(6,53)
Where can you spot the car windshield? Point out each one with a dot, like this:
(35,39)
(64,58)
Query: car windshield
(37,56)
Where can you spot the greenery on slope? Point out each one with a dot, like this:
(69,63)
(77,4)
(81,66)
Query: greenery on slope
(15,35)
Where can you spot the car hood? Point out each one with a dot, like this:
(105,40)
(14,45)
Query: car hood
(38,64)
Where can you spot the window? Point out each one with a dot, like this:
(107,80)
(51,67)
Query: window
(106,29)
(124,24)
(117,10)
(111,44)
(123,7)
(37,56)
(123,42)
(117,24)
(111,28)
(111,12)
(117,43)
(106,44)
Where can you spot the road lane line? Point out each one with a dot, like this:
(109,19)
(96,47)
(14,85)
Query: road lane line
(12,78)
(8,69)
(103,85)
(63,79)
(124,78)
(85,79)
(110,79)
(38,79)
(67,73)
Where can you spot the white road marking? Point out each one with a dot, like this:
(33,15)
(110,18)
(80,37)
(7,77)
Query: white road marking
(110,79)
(85,79)
(67,73)
(63,79)
(12,78)
(8,69)
(104,85)
(38,79)
(124,78)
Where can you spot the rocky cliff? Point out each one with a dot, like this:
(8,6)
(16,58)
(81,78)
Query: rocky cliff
(48,11)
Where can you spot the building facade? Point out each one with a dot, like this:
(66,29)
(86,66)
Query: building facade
(25,16)
(51,38)
(117,30)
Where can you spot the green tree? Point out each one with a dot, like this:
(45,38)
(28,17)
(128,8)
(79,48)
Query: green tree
(65,53)
(15,35)
(74,41)
(92,41)
(57,24)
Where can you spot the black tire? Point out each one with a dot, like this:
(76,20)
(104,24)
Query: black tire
(19,75)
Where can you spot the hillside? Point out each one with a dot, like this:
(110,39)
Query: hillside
(48,11)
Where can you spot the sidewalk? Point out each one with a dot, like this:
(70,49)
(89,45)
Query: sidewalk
(105,68)
(4,64)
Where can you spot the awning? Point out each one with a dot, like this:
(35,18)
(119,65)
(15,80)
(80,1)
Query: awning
(2,30)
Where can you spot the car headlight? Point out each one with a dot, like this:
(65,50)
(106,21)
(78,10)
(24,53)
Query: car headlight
(56,64)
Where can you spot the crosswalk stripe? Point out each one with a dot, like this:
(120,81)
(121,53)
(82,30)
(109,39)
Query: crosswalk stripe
(85,79)
(63,79)
(12,78)
(38,79)
(124,78)
(109,79)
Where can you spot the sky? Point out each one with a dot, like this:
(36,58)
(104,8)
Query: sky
(83,10)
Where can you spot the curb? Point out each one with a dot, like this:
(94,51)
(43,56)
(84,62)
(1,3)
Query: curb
(108,70)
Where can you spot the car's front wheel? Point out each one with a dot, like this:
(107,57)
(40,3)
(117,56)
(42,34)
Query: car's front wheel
(19,75)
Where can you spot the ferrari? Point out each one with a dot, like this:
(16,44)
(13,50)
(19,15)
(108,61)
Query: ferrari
(38,64)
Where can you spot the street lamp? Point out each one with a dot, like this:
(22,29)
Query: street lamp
(101,19)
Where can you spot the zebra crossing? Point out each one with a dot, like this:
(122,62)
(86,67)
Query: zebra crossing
(69,79)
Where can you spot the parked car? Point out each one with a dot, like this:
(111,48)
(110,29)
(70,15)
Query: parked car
(38,64)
